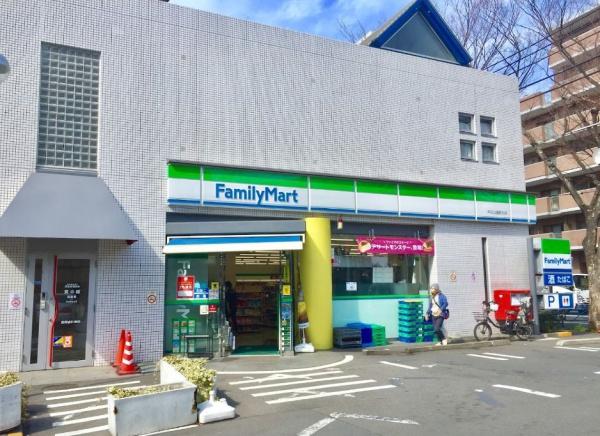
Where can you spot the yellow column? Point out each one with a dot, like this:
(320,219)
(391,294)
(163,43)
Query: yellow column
(315,275)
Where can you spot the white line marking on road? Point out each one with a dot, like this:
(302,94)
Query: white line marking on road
(312,388)
(60,391)
(481,356)
(577,349)
(75,412)
(309,431)
(84,431)
(527,391)
(398,365)
(374,418)
(566,341)
(510,356)
(429,366)
(479,390)
(548,339)
(73,403)
(275,377)
(329,394)
(79,421)
(590,348)
(64,397)
(171,430)
(298,382)
(347,359)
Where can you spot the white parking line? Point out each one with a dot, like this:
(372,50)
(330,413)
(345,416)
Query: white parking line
(60,391)
(597,372)
(298,382)
(171,430)
(329,394)
(399,365)
(347,359)
(510,356)
(73,403)
(309,431)
(275,377)
(85,431)
(75,412)
(64,397)
(312,388)
(527,391)
(79,421)
(590,348)
(578,349)
(481,356)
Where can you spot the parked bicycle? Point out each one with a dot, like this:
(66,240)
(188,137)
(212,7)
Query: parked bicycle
(518,323)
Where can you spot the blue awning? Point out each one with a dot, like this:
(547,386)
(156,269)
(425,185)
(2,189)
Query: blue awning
(221,244)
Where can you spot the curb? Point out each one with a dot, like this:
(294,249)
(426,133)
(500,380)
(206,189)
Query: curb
(581,341)
(562,334)
(386,351)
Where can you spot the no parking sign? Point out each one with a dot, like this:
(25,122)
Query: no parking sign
(14,301)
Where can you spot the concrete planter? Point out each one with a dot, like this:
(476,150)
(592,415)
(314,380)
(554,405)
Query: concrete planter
(10,406)
(171,408)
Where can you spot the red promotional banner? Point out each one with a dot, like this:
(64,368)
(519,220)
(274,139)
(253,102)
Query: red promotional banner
(392,245)
(185,286)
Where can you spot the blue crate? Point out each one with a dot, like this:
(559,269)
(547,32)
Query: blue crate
(366,332)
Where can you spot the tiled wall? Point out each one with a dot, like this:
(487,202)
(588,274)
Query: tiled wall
(179,84)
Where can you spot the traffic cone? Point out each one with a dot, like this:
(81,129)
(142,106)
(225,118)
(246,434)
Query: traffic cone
(120,348)
(127,366)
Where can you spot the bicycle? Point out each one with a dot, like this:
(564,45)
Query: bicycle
(517,323)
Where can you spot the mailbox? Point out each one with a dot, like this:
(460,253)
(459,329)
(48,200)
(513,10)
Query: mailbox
(508,299)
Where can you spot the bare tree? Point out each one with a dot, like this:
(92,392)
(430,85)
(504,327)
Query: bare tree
(492,32)
(573,116)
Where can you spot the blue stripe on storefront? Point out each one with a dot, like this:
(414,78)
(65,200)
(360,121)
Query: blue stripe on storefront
(234,240)
(332,209)
(458,217)
(503,220)
(254,206)
(377,212)
(419,215)
(175,201)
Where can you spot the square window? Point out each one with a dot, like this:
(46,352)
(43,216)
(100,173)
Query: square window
(488,152)
(465,123)
(487,127)
(467,150)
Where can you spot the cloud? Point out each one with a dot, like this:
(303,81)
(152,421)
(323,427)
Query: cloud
(320,17)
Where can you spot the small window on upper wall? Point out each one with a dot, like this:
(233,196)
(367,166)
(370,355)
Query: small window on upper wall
(467,150)
(488,152)
(487,127)
(465,123)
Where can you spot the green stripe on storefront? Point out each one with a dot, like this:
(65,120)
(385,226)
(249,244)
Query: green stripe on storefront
(492,197)
(377,297)
(183,171)
(418,190)
(457,194)
(369,187)
(254,177)
(556,246)
(331,184)
(531,200)
(190,302)
(518,198)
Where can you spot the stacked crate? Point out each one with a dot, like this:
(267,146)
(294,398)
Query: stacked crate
(411,327)
(378,334)
(346,337)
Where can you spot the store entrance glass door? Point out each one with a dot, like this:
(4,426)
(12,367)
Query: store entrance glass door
(58,312)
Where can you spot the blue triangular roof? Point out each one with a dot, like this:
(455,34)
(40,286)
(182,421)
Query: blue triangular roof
(425,10)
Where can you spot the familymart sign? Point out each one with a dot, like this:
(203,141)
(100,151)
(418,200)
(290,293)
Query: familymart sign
(196,185)
(556,262)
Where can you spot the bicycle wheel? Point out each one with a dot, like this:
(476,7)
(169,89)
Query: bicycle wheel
(523,331)
(482,331)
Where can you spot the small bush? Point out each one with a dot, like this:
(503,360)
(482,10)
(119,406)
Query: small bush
(580,328)
(120,393)
(10,378)
(196,372)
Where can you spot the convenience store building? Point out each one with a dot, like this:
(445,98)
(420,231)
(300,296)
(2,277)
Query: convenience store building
(156,155)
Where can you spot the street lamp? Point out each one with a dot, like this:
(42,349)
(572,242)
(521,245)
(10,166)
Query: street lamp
(4,68)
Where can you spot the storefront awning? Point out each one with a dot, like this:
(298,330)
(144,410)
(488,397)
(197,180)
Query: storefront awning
(51,205)
(221,244)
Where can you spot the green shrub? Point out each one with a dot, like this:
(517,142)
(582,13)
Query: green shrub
(120,393)
(196,372)
(580,328)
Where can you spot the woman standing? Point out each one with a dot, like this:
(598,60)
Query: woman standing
(438,310)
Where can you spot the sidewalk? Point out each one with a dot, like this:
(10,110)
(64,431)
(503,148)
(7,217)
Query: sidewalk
(406,348)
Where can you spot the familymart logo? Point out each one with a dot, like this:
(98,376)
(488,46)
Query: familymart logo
(257,195)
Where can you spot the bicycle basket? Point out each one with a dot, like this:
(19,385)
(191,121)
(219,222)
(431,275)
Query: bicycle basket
(479,316)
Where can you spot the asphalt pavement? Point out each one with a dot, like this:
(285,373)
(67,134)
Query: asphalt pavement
(544,387)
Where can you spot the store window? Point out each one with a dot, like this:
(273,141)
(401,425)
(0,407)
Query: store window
(487,126)
(366,272)
(467,150)
(488,152)
(68,111)
(465,123)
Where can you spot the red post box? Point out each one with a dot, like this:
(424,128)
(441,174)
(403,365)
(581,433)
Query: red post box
(508,299)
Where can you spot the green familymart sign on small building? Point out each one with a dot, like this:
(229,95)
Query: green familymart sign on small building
(196,185)
(555,262)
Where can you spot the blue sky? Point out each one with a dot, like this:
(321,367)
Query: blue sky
(318,17)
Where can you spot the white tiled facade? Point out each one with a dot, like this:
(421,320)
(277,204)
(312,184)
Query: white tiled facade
(180,84)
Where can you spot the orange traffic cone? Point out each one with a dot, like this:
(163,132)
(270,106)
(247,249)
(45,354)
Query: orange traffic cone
(127,366)
(120,348)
